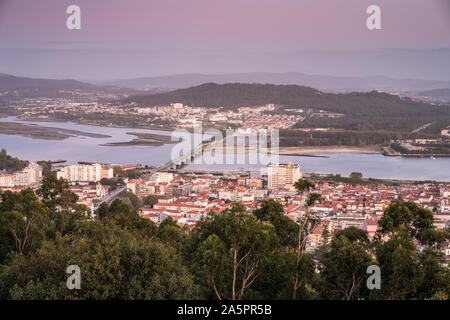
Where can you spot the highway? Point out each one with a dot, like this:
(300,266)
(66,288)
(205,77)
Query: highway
(110,197)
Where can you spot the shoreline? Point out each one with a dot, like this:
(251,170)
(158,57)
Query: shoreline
(39,132)
(94,123)
(317,151)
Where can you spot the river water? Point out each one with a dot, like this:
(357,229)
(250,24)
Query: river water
(76,149)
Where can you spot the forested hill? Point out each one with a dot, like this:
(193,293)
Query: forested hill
(9,82)
(9,163)
(234,95)
(13,88)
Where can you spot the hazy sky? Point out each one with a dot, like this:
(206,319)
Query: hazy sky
(130,38)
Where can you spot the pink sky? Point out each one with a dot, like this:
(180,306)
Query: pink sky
(246,24)
(131,38)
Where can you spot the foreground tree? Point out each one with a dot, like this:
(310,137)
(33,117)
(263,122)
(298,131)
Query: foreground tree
(284,264)
(61,203)
(231,247)
(400,267)
(23,221)
(272,212)
(408,273)
(115,263)
(307,223)
(343,267)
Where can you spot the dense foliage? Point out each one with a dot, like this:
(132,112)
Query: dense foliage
(9,163)
(294,138)
(228,255)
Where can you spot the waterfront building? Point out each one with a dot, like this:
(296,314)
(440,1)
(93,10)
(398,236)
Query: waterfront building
(81,172)
(282,175)
(6,180)
(29,176)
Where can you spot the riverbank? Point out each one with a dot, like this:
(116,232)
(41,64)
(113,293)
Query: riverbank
(329,177)
(44,133)
(143,139)
(393,153)
(98,123)
(314,151)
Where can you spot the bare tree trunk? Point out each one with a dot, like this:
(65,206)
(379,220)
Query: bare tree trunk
(233,297)
(214,286)
(297,282)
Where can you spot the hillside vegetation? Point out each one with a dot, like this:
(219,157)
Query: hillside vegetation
(363,111)
(239,94)
(9,163)
(232,255)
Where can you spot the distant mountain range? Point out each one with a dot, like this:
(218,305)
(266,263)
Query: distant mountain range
(13,87)
(10,82)
(321,82)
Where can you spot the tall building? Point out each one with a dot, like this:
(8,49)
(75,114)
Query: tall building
(81,172)
(107,172)
(281,175)
(6,179)
(29,176)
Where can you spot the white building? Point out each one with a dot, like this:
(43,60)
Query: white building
(446,132)
(160,177)
(282,175)
(80,172)
(6,180)
(107,172)
(177,105)
(29,176)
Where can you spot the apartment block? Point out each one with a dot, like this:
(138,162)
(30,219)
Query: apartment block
(83,172)
(282,175)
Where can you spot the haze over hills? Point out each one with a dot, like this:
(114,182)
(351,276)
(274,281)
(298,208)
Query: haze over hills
(440,94)
(321,82)
(23,87)
(10,82)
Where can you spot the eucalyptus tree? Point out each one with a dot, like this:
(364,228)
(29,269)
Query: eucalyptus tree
(229,248)
(306,223)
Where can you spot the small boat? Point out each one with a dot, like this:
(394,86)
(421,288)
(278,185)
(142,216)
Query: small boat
(433,158)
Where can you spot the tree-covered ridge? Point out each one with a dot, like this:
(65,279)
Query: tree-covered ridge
(293,138)
(10,163)
(372,113)
(228,255)
(233,95)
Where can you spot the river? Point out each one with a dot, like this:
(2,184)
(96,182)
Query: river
(76,149)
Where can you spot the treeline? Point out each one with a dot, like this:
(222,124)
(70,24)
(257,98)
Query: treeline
(379,122)
(231,255)
(9,163)
(429,149)
(369,112)
(293,138)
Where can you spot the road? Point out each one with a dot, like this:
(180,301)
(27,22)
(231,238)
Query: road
(110,197)
(422,127)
